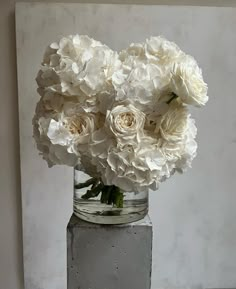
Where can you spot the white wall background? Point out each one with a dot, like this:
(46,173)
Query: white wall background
(193,215)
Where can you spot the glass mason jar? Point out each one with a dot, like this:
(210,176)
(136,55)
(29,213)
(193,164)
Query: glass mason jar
(134,206)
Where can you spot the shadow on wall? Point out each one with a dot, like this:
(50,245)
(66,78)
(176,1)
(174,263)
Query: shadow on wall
(11,263)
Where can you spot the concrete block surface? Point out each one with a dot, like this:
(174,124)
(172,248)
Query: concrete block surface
(109,257)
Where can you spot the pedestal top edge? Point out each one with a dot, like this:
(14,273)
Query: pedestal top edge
(77,222)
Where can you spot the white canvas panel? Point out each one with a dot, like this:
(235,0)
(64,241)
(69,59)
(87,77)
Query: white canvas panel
(193,215)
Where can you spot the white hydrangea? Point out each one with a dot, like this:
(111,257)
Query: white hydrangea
(78,66)
(121,117)
(160,50)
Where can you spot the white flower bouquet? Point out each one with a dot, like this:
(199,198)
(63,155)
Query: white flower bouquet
(122,118)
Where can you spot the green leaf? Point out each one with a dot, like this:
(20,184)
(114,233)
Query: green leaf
(118,198)
(93,193)
(110,195)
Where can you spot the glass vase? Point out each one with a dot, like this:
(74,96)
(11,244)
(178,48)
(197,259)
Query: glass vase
(134,206)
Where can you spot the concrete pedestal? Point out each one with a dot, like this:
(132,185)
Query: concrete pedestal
(109,257)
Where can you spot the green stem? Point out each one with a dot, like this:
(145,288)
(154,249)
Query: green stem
(110,195)
(172,98)
(93,193)
(88,183)
(106,192)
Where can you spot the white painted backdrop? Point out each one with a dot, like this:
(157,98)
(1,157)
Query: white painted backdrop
(193,214)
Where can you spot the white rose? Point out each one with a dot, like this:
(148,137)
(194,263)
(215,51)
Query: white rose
(179,155)
(126,123)
(72,131)
(174,123)
(190,147)
(187,82)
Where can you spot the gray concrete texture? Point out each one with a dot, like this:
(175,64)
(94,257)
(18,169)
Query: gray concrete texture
(193,215)
(109,257)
